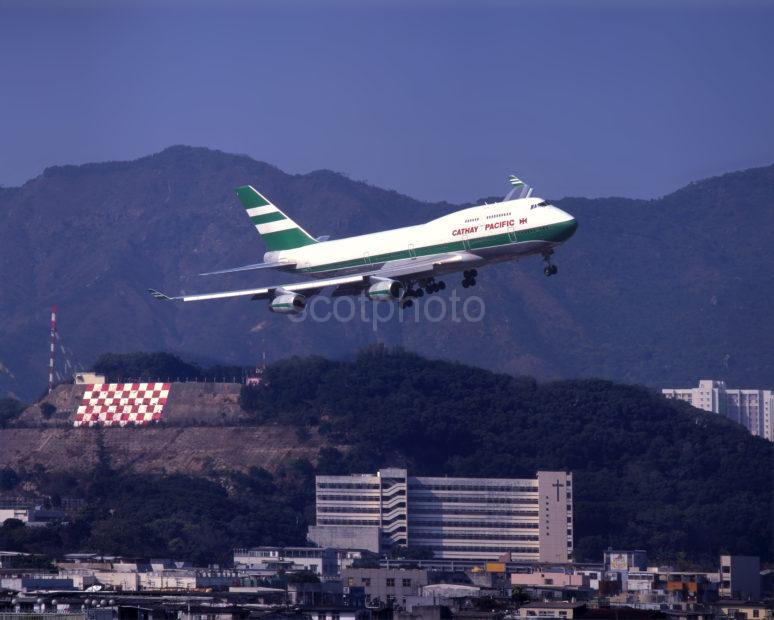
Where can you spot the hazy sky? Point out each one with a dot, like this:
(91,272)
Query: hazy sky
(439,100)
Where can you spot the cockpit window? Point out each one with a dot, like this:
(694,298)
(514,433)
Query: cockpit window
(540,204)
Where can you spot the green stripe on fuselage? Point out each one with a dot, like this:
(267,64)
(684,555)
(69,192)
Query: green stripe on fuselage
(552,233)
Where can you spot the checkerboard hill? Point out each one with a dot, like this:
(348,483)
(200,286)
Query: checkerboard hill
(202,429)
(188,404)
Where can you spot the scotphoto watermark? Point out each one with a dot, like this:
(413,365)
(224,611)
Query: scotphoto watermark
(321,309)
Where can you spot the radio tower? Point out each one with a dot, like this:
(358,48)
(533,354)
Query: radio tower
(53,345)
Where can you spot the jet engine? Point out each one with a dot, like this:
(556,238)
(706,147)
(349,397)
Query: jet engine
(386,290)
(288,303)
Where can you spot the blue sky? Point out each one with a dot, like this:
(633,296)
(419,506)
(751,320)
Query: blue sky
(439,100)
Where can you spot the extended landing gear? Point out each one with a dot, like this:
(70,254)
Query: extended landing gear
(550,269)
(431,286)
(469,278)
(427,285)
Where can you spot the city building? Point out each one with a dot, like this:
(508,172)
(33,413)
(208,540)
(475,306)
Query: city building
(740,577)
(749,610)
(385,586)
(617,560)
(456,518)
(546,609)
(753,409)
(29,514)
(558,579)
(321,561)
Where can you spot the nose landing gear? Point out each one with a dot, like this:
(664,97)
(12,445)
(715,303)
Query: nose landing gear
(550,269)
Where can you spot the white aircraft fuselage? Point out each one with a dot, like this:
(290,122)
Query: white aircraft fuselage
(487,233)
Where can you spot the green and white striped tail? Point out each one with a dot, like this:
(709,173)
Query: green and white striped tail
(279,232)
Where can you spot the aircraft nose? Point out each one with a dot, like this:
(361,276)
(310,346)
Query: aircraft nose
(568,228)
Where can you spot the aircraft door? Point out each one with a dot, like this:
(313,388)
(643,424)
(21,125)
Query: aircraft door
(411,251)
(366,259)
(512,237)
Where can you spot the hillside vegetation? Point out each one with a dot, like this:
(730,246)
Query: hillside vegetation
(649,473)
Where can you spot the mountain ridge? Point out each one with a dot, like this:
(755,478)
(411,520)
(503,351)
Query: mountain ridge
(650,291)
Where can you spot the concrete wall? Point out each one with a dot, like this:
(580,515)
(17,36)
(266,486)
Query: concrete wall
(554,508)
(345,537)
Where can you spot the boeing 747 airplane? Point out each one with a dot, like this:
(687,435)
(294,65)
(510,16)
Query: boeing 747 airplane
(400,264)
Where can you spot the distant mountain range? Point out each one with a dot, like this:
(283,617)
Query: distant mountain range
(659,292)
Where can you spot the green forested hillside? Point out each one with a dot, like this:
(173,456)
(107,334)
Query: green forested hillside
(649,473)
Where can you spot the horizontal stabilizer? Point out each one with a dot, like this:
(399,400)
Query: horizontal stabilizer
(277,265)
(159,295)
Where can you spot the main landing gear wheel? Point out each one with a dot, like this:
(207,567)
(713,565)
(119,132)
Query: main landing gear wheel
(469,278)
(431,286)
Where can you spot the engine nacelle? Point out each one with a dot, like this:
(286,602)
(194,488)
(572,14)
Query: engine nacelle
(386,290)
(288,303)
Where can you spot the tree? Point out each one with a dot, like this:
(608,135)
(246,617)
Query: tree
(519,596)
(10,408)
(8,479)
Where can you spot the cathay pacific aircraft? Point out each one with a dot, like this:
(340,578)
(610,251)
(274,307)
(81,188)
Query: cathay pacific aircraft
(400,264)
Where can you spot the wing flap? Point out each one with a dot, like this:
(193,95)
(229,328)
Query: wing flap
(277,265)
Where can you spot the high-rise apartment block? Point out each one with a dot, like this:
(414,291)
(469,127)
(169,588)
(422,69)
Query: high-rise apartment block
(753,409)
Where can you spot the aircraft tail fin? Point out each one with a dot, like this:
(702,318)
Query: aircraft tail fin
(278,231)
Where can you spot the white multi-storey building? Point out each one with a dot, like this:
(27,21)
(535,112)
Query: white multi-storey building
(457,518)
(753,409)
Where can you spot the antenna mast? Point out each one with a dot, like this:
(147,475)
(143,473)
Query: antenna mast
(52,350)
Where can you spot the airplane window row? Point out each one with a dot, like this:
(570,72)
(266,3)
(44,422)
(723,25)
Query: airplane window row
(473,219)
(491,217)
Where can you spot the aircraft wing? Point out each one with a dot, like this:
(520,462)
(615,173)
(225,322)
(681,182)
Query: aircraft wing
(310,287)
(344,285)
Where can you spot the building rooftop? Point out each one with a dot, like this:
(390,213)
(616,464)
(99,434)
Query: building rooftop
(552,605)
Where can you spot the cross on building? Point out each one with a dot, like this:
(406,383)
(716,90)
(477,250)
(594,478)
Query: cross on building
(557,485)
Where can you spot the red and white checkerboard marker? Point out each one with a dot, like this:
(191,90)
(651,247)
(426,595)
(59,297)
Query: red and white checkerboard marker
(119,404)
